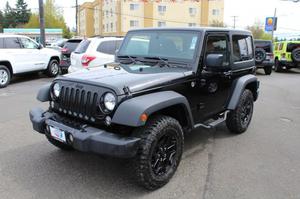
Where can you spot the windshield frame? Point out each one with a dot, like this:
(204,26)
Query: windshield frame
(190,62)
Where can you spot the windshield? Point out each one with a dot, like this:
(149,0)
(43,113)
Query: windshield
(164,44)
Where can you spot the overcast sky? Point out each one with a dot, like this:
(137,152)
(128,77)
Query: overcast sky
(248,12)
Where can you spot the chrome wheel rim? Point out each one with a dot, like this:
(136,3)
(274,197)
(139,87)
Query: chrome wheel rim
(3,77)
(54,68)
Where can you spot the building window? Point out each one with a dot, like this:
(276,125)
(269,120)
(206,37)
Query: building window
(192,24)
(161,24)
(106,27)
(134,6)
(111,12)
(107,13)
(193,11)
(215,12)
(111,27)
(162,9)
(134,23)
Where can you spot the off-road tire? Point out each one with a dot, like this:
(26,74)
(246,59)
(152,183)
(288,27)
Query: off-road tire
(260,55)
(151,135)
(6,79)
(277,66)
(296,55)
(59,144)
(53,68)
(235,118)
(268,70)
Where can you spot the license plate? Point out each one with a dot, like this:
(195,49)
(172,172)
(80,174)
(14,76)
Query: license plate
(58,134)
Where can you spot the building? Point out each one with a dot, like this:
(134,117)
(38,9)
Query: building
(51,34)
(117,17)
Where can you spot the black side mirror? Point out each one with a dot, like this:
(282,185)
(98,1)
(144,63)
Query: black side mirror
(214,60)
(40,46)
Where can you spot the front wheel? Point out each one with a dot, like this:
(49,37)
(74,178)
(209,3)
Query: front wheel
(4,76)
(239,119)
(53,68)
(159,152)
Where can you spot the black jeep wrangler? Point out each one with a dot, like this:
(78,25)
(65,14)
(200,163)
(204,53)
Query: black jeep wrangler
(264,57)
(163,84)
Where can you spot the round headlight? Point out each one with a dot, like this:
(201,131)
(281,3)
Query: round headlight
(109,101)
(56,89)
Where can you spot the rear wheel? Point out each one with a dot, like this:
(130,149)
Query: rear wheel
(5,76)
(159,153)
(53,68)
(239,119)
(268,70)
(278,67)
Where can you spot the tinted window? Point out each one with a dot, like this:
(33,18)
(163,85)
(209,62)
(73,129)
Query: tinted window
(12,42)
(1,43)
(82,47)
(71,45)
(107,47)
(242,48)
(292,46)
(28,44)
(218,45)
(266,45)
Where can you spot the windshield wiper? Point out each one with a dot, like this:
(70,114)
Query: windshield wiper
(132,59)
(161,60)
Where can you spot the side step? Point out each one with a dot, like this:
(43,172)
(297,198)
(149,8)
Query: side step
(214,123)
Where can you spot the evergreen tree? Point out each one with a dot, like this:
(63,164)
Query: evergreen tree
(9,18)
(22,12)
(1,21)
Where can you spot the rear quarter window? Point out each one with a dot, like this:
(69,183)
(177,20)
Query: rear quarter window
(292,46)
(82,47)
(12,42)
(107,47)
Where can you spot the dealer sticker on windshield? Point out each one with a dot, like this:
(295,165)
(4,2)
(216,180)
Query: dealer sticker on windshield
(193,43)
(57,134)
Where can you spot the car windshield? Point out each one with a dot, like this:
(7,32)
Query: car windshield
(171,45)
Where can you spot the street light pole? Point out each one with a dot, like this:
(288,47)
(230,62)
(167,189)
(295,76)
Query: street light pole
(77,33)
(42,23)
(273,25)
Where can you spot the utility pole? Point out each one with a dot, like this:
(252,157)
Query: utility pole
(234,20)
(273,25)
(77,32)
(42,23)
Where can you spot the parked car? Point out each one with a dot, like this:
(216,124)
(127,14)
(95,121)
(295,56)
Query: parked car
(287,55)
(264,57)
(68,48)
(58,45)
(141,106)
(94,52)
(20,54)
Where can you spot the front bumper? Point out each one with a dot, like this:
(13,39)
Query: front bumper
(87,139)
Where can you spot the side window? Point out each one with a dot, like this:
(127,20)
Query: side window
(28,44)
(218,45)
(242,48)
(280,46)
(11,42)
(107,47)
(1,43)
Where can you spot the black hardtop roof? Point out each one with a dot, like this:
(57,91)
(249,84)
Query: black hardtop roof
(200,29)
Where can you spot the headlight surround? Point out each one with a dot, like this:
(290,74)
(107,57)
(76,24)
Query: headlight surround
(109,101)
(56,90)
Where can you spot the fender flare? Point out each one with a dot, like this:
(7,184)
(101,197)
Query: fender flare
(128,113)
(239,86)
(44,93)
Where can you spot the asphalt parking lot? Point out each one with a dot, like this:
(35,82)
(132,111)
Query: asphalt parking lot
(262,163)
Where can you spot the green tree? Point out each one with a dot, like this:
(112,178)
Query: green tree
(53,19)
(1,21)
(216,23)
(22,12)
(9,18)
(258,32)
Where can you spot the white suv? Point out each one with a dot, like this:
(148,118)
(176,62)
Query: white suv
(93,52)
(20,54)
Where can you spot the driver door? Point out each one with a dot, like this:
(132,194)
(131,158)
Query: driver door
(32,56)
(213,83)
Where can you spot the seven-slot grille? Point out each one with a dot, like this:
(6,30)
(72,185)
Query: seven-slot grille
(80,103)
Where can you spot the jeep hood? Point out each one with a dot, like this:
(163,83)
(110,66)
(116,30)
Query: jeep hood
(118,78)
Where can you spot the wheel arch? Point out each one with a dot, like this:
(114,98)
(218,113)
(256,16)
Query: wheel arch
(8,65)
(167,103)
(246,82)
(55,58)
